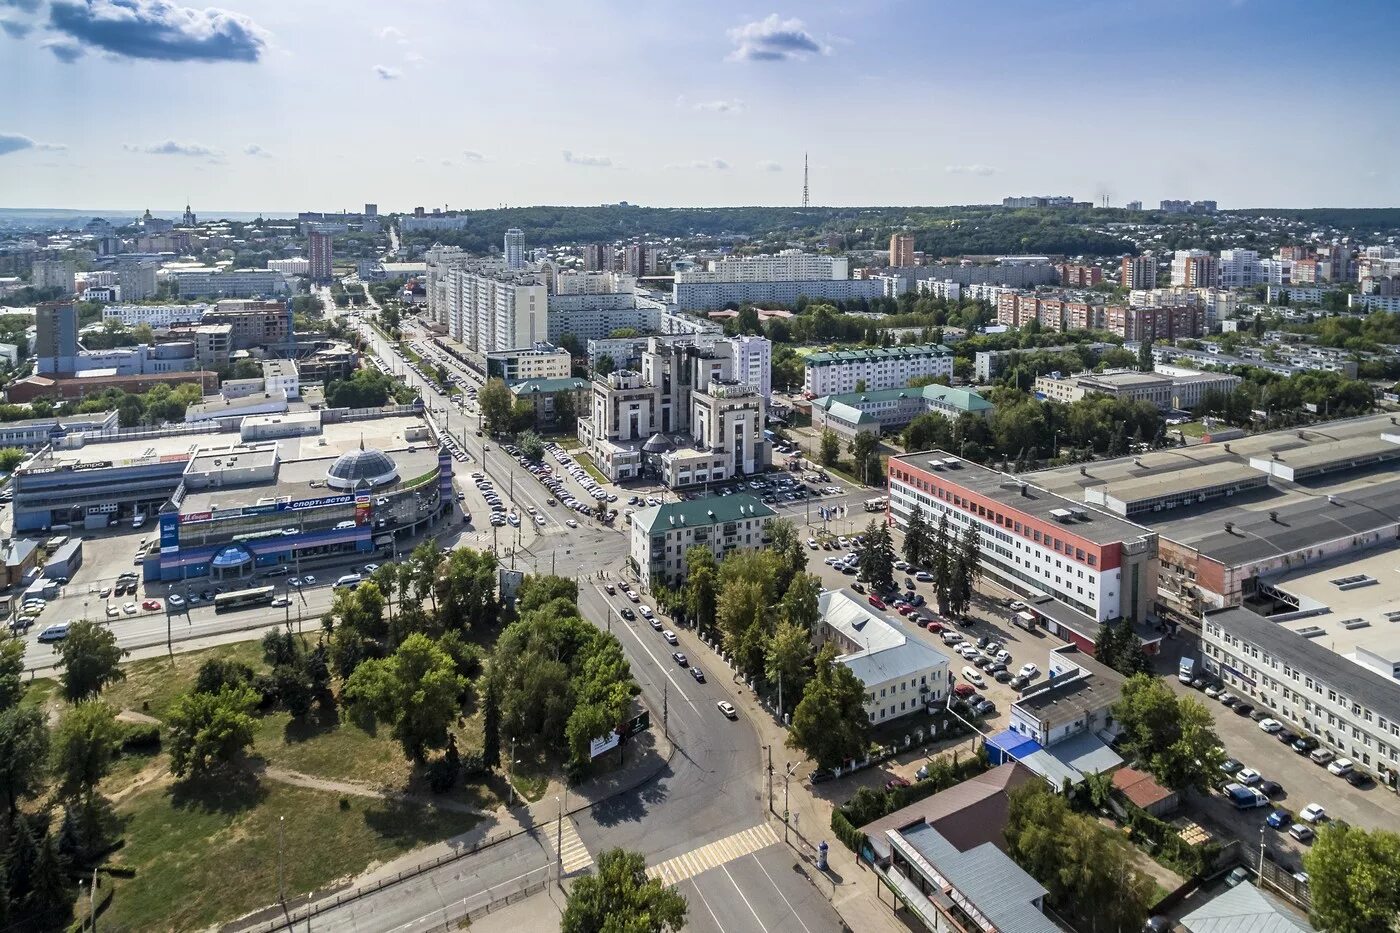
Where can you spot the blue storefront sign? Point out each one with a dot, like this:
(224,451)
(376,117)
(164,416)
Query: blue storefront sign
(169,533)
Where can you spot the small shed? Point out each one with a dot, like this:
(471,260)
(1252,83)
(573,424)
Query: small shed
(65,561)
(1142,790)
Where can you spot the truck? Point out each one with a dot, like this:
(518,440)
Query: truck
(1245,798)
(1186,670)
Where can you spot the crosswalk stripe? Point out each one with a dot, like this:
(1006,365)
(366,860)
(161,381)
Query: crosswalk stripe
(572,854)
(720,852)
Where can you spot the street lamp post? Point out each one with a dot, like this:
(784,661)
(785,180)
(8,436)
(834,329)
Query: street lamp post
(281,883)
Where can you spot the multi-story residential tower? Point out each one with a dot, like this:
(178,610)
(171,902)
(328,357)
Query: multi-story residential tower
(318,253)
(515,248)
(1140,271)
(902,249)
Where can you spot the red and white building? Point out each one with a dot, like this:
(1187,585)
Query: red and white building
(1077,567)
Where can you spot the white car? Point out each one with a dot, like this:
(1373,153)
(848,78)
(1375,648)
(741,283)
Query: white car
(113,612)
(571,523)
(812,543)
(1312,813)
(632,595)
(175,599)
(280,601)
(1029,671)
(1248,777)
(1340,766)
(1270,725)
(129,609)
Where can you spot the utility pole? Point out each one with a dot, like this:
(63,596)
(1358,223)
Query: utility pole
(665,708)
(281,884)
(786,818)
(770,777)
(559,843)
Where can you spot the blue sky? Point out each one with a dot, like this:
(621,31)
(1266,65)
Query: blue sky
(277,105)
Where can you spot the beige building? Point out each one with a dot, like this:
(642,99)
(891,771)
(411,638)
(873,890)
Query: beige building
(662,534)
(902,250)
(540,361)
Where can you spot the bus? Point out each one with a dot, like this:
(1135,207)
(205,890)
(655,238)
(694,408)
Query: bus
(242,599)
(876,505)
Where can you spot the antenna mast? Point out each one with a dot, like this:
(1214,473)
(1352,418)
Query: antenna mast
(805,200)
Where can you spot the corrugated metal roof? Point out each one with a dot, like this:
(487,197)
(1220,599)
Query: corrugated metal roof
(1244,909)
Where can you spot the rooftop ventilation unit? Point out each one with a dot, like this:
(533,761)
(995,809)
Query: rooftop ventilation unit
(1080,514)
(1353,624)
(1312,631)
(952,463)
(1062,516)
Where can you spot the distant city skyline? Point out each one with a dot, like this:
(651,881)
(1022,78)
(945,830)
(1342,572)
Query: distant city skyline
(118,103)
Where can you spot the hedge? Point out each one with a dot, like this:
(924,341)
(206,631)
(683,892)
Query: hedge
(868,805)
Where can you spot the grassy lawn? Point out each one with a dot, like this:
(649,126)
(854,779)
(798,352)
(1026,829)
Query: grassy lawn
(39,692)
(1190,429)
(570,443)
(209,853)
(152,685)
(409,353)
(585,461)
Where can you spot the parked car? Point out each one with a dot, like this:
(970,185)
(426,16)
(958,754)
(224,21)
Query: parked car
(1270,725)
(1313,813)
(1269,789)
(1304,744)
(1358,778)
(1339,766)
(1279,819)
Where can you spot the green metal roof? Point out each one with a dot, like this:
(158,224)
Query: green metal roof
(958,398)
(708,510)
(548,385)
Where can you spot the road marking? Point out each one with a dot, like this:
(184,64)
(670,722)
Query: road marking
(664,669)
(706,902)
(745,899)
(575,855)
(781,894)
(714,855)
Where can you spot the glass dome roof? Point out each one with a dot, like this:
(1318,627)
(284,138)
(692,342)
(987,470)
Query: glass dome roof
(364,467)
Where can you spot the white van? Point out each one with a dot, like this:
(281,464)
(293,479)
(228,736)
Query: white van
(973,676)
(351,580)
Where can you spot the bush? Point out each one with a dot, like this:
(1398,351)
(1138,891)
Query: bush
(851,837)
(442,774)
(141,737)
(868,805)
(474,766)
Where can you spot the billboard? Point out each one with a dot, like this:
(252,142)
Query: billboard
(169,533)
(603,744)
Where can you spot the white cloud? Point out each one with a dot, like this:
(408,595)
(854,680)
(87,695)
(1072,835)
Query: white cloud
(721,106)
(253,149)
(974,169)
(774,40)
(471,155)
(171,147)
(768,165)
(592,161)
(386,73)
(702,165)
(393,34)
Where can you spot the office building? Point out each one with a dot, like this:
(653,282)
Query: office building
(682,417)
(56,337)
(550,399)
(902,250)
(1139,271)
(1195,268)
(662,534)
(514,248)
(228,283)
(282,376)
(625,352)
(1181,389)
(54,273)
(945,863)
(901,674)
(319,255)
(890,410)
(29,433)
(540,361)
(295,266)
(1327,671)
(1078,567)
(137,279)
(840,371)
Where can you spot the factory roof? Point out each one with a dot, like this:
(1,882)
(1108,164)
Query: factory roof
(1021,496)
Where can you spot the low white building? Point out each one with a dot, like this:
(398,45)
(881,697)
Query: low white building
(901,674)
(155,315)
(871,370)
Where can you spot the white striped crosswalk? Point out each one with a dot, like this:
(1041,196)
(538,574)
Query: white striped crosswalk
(717,853)
(569,848)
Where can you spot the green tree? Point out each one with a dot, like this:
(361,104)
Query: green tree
(876,556)
(619,898)
(417,689)
(799,605)
(1145,363)
(785,659)
(941,549)
(742,619)
(701,586)
(830,724)
(604,366)
(1354,879)
(786,545)
(210,730)
(24,751)
(1174,735)
(831,447)
(90,659)
(966,570)
(496,404)
(916,539)
(862,448)
(84,747)
(531,444)
(11,672)
(11,457)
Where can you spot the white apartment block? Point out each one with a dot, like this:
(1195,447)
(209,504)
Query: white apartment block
(53,273)
(155,315)
(1374,302)
(491,309)
(594,282)
(294,266)
(228,283)
(947,289)
(541,361)
(1194,268)
(753,362)
(840,371)
(1239,268)
(136,279)
(780,278)
(790,265)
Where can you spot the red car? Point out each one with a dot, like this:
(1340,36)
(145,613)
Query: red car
(877,602)
(151,605)
(896,781)
(934,625)
(906,610)
(964,690)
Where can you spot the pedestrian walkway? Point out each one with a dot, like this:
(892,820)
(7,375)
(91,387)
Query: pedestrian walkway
(720,852)
(569,849)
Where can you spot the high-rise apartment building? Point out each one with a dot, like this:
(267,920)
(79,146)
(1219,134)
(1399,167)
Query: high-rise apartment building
(1140,271)
(514,248)
(492,308)
(137,279)
(1239,268)
(56,337)
(371,210)
(1079,275)
(781,278)
(318,253)
(598,257)
(54,273)
(902,249)
(1195,268)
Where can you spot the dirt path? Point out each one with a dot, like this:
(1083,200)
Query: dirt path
(355,789)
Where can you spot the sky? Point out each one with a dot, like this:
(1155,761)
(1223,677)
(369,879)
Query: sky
(276,106)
